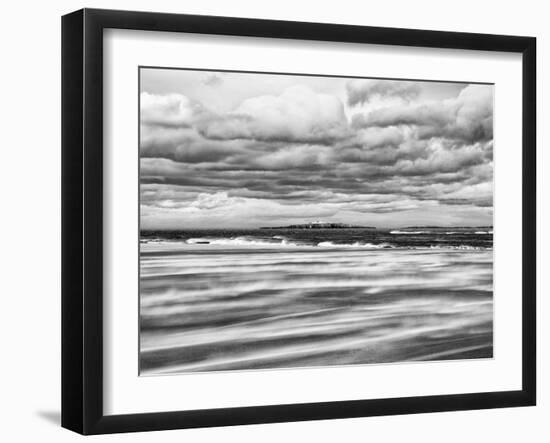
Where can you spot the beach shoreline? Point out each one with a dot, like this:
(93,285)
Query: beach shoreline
(219,307)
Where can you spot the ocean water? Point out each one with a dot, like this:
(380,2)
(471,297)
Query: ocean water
(219,300)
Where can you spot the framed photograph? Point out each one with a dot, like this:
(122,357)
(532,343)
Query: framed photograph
(270,221)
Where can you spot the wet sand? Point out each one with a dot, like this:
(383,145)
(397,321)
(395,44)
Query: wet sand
(207,307)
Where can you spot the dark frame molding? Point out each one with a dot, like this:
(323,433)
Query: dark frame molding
(82,220)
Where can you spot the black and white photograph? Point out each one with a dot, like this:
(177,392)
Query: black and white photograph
(294,221)
(266,222)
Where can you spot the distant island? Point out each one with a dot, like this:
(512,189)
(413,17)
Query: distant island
(319,225)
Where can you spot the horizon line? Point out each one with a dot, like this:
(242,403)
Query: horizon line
(351,227)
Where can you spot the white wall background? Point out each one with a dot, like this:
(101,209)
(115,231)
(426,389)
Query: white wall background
(30,219)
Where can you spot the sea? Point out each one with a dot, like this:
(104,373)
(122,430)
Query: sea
(230,299)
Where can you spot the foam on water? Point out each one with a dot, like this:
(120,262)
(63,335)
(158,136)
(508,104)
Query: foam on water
(237,305)
(241,241)
(329,244)
(397,232)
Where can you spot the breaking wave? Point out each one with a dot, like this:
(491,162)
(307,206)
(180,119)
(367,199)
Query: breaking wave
(240,241)
(329,244)
(277,241)
(409,232)
(398,232)
(472,238)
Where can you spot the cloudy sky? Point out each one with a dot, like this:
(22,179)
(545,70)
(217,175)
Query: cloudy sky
(240,150)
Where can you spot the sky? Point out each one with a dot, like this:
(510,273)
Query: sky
(245,150)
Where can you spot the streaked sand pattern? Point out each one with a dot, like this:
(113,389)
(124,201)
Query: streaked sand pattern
(208,307)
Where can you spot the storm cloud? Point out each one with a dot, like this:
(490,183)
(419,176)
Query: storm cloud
(294,148)
(297,115)
(468,117)
(364,90)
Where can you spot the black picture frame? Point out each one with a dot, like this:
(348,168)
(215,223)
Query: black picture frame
(82,220)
